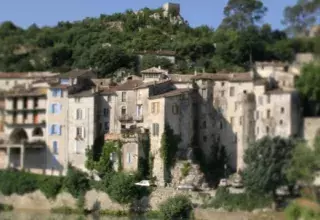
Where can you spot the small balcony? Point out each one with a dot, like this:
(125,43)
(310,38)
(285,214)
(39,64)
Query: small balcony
(125,118)
(138,118)
(20,124)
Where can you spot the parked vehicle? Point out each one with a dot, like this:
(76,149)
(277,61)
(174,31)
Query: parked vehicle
(186,187)
(146,183)
(224,183)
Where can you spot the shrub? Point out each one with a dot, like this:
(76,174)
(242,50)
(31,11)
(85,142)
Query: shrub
(76,182)
(122,188)
(50,185)
(185,169)
(243,201)
(17,182)
(178,207)
(302,209)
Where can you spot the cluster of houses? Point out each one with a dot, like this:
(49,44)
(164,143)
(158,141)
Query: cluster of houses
(48,120)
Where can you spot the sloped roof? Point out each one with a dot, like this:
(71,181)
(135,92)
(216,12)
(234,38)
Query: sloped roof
(128,85)
(171,93)
(154,70)
(232,77)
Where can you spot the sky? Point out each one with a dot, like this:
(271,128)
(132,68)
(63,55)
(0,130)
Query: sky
(197,12)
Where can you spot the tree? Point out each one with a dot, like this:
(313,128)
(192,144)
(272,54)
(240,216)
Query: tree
(308,84)
(239,14)
(303,164)
(122,188)
(149,61)
(300,17)
(266,162)
(76,182)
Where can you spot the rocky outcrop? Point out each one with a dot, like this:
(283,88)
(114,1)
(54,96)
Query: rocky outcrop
(191,176)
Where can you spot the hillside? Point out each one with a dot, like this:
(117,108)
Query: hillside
(110,42)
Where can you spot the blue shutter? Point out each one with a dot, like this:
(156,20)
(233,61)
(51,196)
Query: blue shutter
(59,92)
(52,129)
(59,129)
(59,106)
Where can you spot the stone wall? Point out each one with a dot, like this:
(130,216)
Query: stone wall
(311,127)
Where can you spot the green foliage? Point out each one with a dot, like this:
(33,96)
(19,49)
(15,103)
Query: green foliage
(76,182)
(50,185)
(5,207)
(185,169)
(178,207)
(309,81)
(168,150)
(17,182)
(102,163)
(143,162)
(240,14)
(235,202)
(296,211)
(108,43)
(266,162)
(149,61)
(122,188)
(303,165)
(301,16)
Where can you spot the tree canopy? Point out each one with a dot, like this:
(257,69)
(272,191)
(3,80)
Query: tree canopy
(266,164)
(110,42)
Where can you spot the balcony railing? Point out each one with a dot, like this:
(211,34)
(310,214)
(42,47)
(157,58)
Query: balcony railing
(138,118)
(16,123)
(15,110)
(125,118)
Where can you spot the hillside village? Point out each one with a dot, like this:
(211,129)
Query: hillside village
(144,99)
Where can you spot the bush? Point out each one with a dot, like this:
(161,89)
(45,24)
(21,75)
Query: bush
(17,182)
(243,201)
(302,209)
(50,185)
(76,182)
(122,189)
(185,169)
(178,207)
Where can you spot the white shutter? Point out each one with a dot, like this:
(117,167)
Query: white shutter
(83,132)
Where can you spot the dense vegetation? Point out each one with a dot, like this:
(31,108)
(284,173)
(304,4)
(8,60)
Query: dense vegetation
(110,42)
(178,207)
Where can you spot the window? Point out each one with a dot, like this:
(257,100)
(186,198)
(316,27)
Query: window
(79,114)
(80,132)
(282,110)
(175,109)
(204,138)
(241,120)
(106,126)
(128,157)
(268,113)
(123,126)
(235,138)
(25,103)
(267,129)
(281,122)
(155,129)
(123,111)
(204,124)
(268,99)
(232,91)
(231,121)
(123,97)
(7,83)
(261,100)
(222,83)
(55,147)
(77,100)
(204,93)
(56,92)
(221,125)
(25,116)
(55,129)
(35,102)
(155,107)
(222,93)
(235,106)
(55,108)
(244,91)
(105,112)
(64,82)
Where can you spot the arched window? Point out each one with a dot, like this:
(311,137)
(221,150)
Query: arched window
(79,114)
(37,132)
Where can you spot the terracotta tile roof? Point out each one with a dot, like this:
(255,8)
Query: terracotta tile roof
(147,84)
(107,90)
(22,91)
(279,91)
(15,75)
(128,85)
(232,77)
(83,93)
(154,70)
(181,77)
(172,93)
(158,52)
(77,73)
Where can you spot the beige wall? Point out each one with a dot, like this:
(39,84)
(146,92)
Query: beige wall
(130,156)
(311,129)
